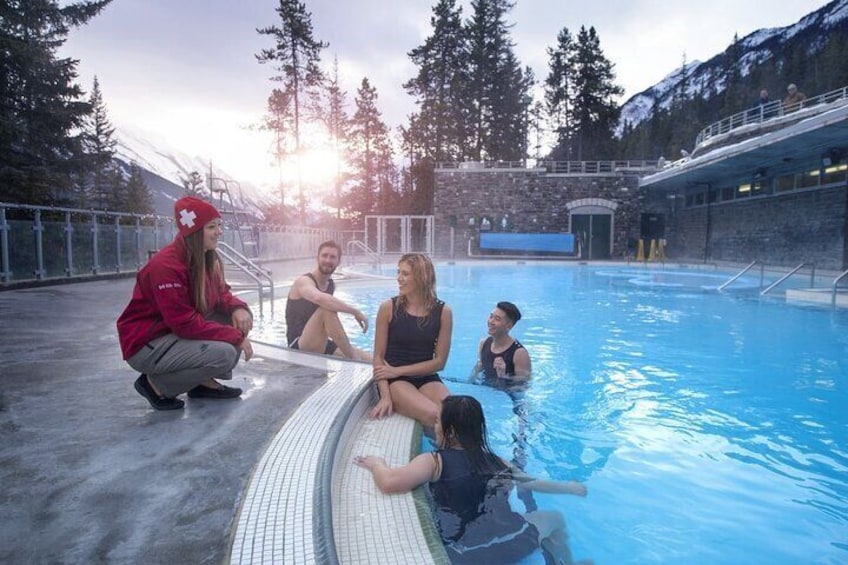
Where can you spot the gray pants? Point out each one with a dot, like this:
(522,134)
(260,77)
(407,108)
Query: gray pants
(176,365)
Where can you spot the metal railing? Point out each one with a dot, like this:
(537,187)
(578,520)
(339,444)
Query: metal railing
(45,242)
(766,112)
(789,274)
(355,244)
(243,263)
(557,167)
(739,274)
(834,289)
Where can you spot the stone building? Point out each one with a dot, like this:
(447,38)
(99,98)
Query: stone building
(597,201)
(770,188)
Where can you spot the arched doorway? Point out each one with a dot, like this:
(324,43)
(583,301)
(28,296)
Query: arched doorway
(592,221)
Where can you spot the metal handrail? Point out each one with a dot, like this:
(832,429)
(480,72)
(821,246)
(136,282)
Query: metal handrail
(789,274)
(355,243)
(759,114)
(737,275)
(248,267)
(835,284)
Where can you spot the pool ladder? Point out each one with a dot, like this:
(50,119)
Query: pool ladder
(773,285)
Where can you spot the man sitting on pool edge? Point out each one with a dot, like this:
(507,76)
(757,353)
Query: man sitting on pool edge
(312,312)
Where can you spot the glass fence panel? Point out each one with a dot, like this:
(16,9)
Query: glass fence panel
(55,256)
(107,245)
(22,261)
(83,253)
(129,252)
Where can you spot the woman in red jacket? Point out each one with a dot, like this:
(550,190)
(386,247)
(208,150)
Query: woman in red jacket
(183,328)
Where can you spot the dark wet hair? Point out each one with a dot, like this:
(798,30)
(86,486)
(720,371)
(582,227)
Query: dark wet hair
(463,422)
(511,310)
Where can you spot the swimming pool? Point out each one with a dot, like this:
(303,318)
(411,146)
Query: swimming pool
(707,427)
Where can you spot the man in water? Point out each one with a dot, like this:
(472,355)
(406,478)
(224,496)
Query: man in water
(312,312)
(505,365)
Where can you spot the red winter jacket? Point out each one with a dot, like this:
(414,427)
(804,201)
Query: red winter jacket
(161,303)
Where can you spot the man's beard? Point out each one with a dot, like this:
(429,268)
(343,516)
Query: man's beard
(326,270)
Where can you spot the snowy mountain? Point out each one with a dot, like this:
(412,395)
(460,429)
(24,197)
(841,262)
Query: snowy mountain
(164,168)
(755,49)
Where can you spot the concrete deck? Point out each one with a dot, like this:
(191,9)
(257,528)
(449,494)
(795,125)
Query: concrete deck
(90,473)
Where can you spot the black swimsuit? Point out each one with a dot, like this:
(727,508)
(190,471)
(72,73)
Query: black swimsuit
(412,339)
(298,312)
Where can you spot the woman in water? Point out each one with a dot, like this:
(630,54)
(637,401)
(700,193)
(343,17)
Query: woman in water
(411,344)
(471,486)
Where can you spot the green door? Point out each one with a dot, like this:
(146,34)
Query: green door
(594,233)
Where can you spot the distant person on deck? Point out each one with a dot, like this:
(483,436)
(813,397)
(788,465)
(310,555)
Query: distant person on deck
(312,312)
(794,99)
(765,105)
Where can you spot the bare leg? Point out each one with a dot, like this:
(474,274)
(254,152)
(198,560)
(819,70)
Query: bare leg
(409,401)
(325,324)
(553,537)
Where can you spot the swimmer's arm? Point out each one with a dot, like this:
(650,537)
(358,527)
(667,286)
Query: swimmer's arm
(523,367)
(547,486)
(400,479)
(478,366)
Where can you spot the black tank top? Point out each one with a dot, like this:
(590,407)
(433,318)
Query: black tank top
(299,310)
(409,340)
(487,358)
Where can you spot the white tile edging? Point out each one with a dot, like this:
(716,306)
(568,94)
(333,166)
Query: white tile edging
(284,514)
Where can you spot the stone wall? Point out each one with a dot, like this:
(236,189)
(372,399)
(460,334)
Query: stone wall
(531,200)
(787,229)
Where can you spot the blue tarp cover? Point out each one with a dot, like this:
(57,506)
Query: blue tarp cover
(553,242)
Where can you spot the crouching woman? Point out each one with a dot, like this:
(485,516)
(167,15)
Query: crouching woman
(183,329)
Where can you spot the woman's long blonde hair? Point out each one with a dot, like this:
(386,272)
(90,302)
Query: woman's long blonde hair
(205,268)
(425,276)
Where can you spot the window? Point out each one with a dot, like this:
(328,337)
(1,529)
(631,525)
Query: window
(809,179)
(834,174)
(727,193)
(785,183)
(743,190)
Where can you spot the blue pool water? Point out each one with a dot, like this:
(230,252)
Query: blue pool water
(708,428)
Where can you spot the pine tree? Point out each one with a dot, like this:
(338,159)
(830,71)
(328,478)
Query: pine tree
(193,184)
(99,147)
(558,92)
(296,56)
(337,125)
(595,112)
(370,151)
(497,94)
(438,130)
(41,108)
(137,194)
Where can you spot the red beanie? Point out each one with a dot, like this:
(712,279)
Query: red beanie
(192,214)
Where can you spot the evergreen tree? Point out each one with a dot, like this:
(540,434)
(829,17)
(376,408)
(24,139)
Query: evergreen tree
(497,94)
(296,55)
(734,92)
(558,92)
(99,147)
(41,108)
(595,111)
(337,125)
(138,199)
(370,151)
(193,184)
(438,129)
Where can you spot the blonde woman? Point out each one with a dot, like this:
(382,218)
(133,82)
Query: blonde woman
(411,344)
(183,328)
